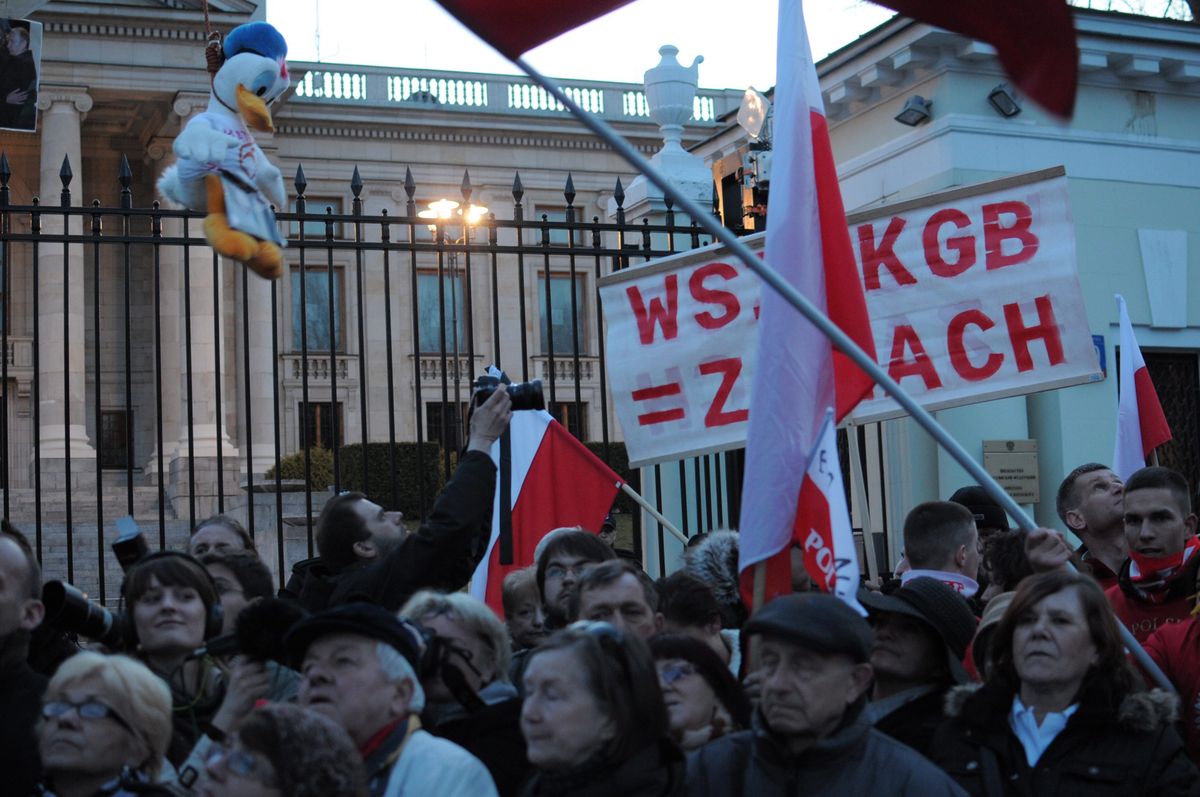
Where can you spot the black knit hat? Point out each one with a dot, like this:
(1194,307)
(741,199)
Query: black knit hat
(987,511)
(936,605)
(363,619)
(816,621)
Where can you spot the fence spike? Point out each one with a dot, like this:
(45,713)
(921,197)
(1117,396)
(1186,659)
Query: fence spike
(5,169)
(518,190)
(356,183)
(619,194)
(124,174)
(716,201)
(410,185)
(301,182)
(65,174)
(569,190)
(466,186)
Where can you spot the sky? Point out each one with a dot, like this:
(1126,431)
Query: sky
(737,39)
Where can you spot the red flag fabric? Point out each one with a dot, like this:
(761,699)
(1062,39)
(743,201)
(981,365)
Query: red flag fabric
(1141,423)
(550,480)
(799,375)
(1034,40)
(516,26)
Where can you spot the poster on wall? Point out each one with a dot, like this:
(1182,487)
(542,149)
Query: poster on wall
(973,295)
(20,72)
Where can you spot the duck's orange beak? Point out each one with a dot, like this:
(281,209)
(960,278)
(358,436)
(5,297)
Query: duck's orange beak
(254,110)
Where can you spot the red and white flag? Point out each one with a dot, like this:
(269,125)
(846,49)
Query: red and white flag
(799,374)
(1141,424)
(545,479)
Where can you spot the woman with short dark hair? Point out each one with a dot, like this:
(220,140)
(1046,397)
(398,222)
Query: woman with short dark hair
(1060,713)
(703,699)
(594,720)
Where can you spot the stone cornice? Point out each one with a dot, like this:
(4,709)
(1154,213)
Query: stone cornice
(497,139)
(50,93)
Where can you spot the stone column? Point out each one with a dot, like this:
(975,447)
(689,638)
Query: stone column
(61,294)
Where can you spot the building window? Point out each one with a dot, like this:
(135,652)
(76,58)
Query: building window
(575,422)
(314,222)
(114,439)
(316,310)
(318,424)
(565,321)
(562,237)
(452,318)
(442,427)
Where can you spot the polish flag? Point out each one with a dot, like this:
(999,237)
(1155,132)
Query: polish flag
(799,374)
(1141,424)
(545,479)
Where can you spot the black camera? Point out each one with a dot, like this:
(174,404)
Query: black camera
(69,610)
(524,395)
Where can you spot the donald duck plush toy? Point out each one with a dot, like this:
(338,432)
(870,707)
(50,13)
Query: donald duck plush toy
(220,168)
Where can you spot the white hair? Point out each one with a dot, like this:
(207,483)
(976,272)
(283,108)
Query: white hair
(397,668)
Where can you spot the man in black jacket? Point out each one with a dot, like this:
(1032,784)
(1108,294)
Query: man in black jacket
(21,688)
(367,557)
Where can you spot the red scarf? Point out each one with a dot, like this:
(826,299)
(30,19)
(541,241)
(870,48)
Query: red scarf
(1150,574)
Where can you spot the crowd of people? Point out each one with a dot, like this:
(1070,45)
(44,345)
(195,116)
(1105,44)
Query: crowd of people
(987,666)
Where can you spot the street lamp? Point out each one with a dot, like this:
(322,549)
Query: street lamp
(440,214)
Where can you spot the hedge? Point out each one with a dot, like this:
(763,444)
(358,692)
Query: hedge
(379,474)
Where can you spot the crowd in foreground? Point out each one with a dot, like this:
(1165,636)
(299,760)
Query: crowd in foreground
(988,666)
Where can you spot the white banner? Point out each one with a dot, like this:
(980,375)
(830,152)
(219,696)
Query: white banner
(973,295)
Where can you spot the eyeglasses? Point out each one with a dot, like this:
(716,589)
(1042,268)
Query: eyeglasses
(559,572)
(89,709)
(241,763)
(676,672)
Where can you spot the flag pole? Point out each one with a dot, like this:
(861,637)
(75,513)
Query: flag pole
(646,505)
(843,342)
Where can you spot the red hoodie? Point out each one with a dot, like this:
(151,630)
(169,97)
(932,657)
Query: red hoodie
(1171,603)
(1175,648)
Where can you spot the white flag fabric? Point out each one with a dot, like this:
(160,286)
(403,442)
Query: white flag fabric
(1141,424)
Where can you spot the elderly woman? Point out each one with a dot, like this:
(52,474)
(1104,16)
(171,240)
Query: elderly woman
(1059,714)
(594,719)
(469,699)
(106,721)
(285,751)
(703,699)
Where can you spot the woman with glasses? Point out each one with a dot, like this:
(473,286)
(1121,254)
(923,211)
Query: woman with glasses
(106,722)
(703,699)
(285,751)
(593,719)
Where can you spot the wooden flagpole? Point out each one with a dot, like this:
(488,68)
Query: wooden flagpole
(644,504)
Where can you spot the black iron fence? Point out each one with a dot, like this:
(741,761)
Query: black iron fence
(145,376)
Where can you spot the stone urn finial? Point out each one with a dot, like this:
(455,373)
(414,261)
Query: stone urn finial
(670,92)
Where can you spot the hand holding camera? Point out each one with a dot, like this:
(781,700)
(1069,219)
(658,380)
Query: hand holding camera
(489,420)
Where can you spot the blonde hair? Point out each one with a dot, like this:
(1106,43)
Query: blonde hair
(476,618)
(135,693)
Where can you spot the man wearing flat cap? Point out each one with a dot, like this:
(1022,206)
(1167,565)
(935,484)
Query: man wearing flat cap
(922,631)
(358,664)
(809,733)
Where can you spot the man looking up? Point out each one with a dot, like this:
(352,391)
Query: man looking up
(942,543)
(366,554)
(1157,583)
(1090,502)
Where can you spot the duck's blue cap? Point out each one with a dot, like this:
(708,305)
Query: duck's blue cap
(256,37)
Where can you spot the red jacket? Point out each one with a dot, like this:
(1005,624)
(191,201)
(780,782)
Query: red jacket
(1143,617)
(1176,649)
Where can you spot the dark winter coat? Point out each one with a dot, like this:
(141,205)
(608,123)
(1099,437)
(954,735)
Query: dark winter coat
(1112,745)
(440,555)
(492,734)
(654,772)
(855,760)
(21,691)
(915,723)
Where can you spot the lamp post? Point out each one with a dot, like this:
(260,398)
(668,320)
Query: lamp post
(440,214)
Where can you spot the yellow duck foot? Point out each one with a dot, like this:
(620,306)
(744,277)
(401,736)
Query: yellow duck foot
(228,241)
(267,262)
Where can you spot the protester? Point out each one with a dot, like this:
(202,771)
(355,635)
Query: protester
(219,534)
(1090,502)
(714,560)
(690,607)
(366,555)
(1004,563)
(1157,584)
(560,563)
(523,613)
(981,645)
(468,697)
(21,688)
(990,517)
(703,699)
(941,542)
(921,635)
(106,725)
(285,751)
(358,663)
(173,608)
(618,593)
(594,719)
(810,734)
(1060,714)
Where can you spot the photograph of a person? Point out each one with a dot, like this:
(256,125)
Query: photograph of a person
(20,57)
